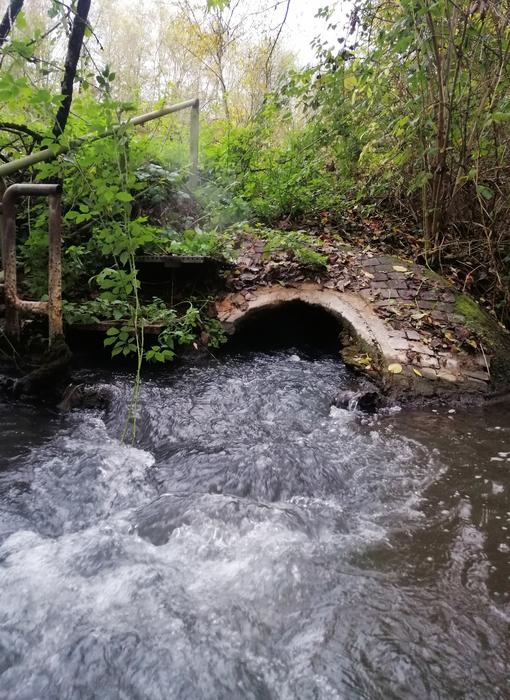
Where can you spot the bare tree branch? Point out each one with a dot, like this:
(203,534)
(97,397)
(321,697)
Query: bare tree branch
(271,50)
(9,18)
(71,63)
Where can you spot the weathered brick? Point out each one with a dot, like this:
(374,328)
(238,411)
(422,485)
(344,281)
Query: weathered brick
(430,296)
(447,377)
(399,343)
(428,361)
(420,348)
(473,374)
(429,373)
(413,335)
(407,294)
(450,364)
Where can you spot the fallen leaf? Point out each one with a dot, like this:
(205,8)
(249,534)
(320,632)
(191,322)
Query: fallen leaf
(417,372)
(395,368)
(400,268)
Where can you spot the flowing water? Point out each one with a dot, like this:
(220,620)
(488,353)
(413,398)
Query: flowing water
(255,543)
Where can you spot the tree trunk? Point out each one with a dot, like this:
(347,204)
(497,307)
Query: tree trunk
(9,18)
(73,55)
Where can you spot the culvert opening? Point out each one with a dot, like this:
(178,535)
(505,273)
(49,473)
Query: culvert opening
(292,324)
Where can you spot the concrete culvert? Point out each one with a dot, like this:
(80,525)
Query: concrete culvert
(287,325)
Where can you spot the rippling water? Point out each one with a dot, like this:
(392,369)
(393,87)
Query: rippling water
(256,543)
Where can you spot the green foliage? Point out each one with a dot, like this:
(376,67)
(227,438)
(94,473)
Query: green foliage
(300,245)
(196,242)
(278,171)
(413,116)
(178,329)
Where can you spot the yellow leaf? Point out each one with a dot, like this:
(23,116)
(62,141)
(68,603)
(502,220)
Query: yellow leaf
(417,372)
(350,81)
(395,368)
(400,268)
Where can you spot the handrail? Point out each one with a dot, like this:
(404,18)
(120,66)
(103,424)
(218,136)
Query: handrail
(58,149)
(13,304)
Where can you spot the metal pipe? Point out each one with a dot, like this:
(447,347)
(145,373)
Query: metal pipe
(193,143)
(13,304)
(57,149)
(55,324)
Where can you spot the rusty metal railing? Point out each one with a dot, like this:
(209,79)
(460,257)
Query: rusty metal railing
(14,306)
(47,154)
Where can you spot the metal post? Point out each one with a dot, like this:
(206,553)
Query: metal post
(193,143)
(13,304)
(12,325)
(55,325)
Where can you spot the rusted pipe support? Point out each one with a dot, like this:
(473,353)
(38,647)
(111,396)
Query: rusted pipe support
(193,143)
(54,268)
(13,304)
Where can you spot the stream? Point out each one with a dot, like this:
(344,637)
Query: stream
(254,543)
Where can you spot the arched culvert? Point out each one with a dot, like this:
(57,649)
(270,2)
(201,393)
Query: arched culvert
(408,356)
(307,313)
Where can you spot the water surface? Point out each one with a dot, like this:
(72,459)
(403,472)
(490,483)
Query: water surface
(255,543)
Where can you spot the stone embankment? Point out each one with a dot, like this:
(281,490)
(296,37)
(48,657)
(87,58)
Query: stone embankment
(408,327)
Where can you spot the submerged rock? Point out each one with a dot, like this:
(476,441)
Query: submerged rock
(368,400)
(82,396)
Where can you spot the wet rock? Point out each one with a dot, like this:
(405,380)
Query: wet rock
(368,400)
(6,385)
(52,373)
(82,396)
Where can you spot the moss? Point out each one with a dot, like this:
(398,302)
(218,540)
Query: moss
(475,317)
(495,339)
(435,277)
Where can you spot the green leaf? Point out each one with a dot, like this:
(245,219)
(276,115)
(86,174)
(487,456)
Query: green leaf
(484,191)
(124,197)
(499,117)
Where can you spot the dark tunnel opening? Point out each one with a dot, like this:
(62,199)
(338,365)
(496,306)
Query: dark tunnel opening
(293,324)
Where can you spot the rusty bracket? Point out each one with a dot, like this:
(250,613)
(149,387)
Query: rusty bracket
(14,306)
